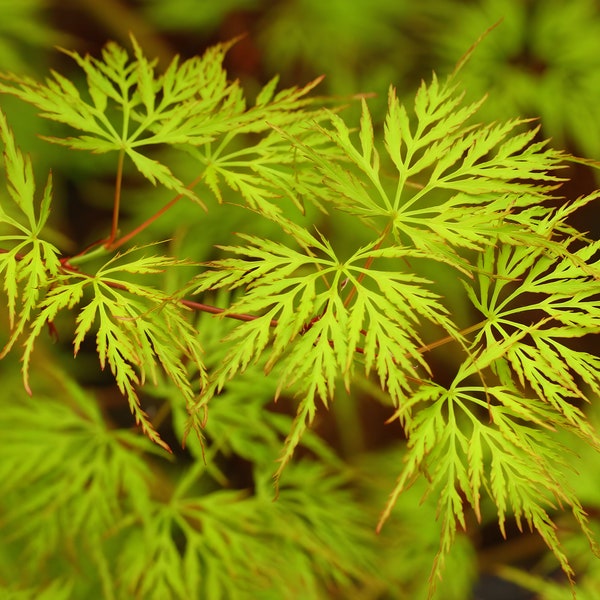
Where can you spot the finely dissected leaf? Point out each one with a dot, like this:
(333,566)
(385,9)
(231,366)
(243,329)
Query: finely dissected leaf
(244,544)
(567,307)
(59,439)
(319,318)
(139,331)
(191,105)
(457,185)
(30,263)
(513,456)
(271,169)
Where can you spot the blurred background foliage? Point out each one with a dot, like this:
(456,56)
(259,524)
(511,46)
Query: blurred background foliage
(541,61)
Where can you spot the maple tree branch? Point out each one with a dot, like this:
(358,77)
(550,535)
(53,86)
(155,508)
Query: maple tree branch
(215,310)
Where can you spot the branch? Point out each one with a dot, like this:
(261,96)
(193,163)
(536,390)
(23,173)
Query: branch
(117,201)
(215,310)
(113,244)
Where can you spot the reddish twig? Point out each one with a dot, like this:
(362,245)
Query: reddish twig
(117,201)
(114,244)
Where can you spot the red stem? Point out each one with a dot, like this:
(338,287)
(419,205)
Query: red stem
(114,244)
(215,310)
(123,239)
(117,202)
(368,263)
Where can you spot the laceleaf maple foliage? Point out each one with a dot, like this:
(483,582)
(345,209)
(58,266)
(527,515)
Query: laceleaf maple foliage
(433,195)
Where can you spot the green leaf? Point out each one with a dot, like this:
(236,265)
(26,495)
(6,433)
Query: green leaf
(515,452)
(59,437)
(140,332)
(266,93)
(316,330)
(30,263)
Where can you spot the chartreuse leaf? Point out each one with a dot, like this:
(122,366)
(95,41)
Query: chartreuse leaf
(193,106)
(140,332)
(28,262)
(318,317)
(514,457)
(535,300)
(177,107)
(188,104)
(226,542)
(270,169)
(455,182)
(59,460)
(567,307)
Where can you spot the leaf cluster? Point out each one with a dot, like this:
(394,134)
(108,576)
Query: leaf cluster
(520,67)
(121,522)
(438,196)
